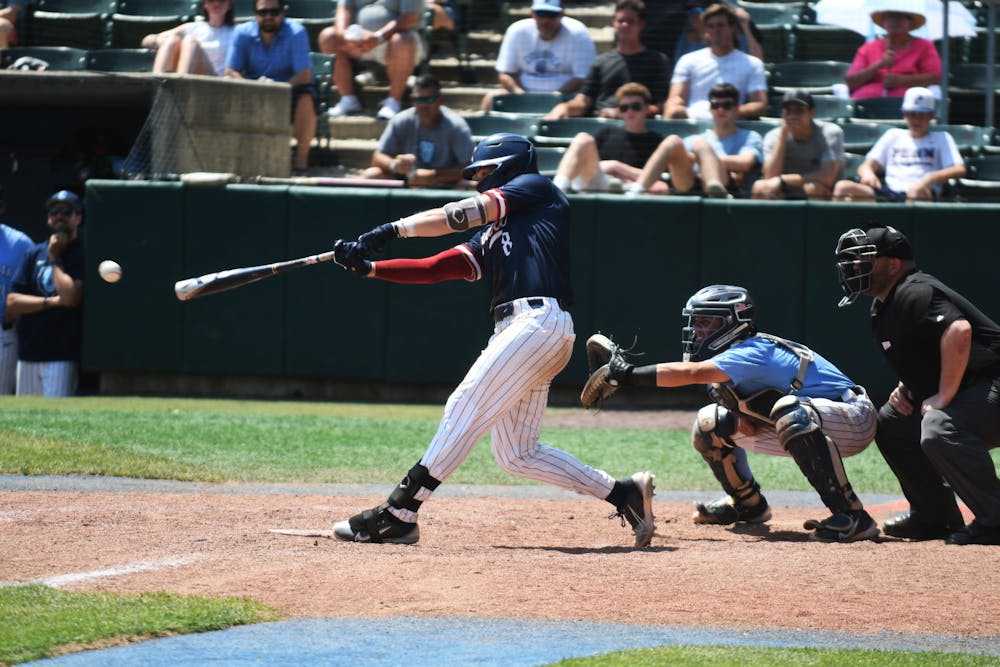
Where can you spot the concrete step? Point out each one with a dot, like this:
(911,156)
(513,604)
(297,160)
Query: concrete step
(462,99)
(486,44)
(353,154)
(591,15)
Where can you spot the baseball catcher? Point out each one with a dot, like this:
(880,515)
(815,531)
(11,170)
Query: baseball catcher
(770,396)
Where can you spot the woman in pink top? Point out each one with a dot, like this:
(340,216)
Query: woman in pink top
(887,66)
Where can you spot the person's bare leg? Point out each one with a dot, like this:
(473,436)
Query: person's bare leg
(581,161)
(304,129)
(851,191)
(192,59)
(400,59)
(167,56)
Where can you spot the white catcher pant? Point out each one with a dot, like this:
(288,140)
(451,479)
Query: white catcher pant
(56,379)
(506,390)
(8,360)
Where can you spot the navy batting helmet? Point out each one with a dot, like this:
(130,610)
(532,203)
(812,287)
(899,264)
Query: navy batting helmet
(512,154)
(731,305)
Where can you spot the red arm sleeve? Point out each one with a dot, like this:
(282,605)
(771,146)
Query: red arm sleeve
(456,263)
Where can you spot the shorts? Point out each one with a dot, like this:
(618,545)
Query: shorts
(378,53)
(891,196)
(304,89)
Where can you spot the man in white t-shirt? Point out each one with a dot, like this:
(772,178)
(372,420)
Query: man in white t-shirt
(720,62)
(916,162)
(549,52)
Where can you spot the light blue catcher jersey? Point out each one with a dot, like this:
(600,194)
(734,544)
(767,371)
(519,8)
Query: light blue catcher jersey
(14,245)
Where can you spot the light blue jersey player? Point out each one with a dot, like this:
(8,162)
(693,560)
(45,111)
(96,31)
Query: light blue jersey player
(14,247)
(523,251)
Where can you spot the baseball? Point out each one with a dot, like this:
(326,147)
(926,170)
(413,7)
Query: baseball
(111,271)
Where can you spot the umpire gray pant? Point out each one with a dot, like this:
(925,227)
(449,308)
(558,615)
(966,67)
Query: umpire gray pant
(950,445)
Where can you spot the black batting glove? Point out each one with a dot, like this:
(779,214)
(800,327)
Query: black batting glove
(348,255)
(373,243)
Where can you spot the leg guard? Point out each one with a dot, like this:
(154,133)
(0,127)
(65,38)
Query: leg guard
(711,437)
(413,490)
(816,455)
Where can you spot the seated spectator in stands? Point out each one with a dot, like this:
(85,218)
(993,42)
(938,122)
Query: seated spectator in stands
(629,61)
(692,36)
(11,14)
(613,152)
(718,162)
(425,145)
(273,48)
(547,53)
(887,66)
(803,157)
(695,73)
(199,47)
(916,162)
(386,33)
(444,14)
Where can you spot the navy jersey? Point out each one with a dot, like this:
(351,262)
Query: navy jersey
(54,334)
(526,252)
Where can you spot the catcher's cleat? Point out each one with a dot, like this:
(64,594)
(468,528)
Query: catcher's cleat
(637,508)
(843,527)
(376,525)
(723,512)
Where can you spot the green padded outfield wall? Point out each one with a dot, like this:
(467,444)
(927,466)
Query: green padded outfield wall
(635,263)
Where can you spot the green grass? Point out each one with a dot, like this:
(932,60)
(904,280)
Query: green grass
(258,441)
(50,621)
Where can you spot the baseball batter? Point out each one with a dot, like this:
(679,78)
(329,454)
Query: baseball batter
(523,251)
(14,246)
(772,396)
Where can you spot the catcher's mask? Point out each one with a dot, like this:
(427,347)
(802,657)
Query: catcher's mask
(512,154)
(732,310)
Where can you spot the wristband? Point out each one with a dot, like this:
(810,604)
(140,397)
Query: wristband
(644,376)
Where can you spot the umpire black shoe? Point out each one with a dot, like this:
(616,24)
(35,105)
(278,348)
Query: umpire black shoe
(637,507)
(975,533)
(909,527)
(378,526)
(843,527)
(723,511)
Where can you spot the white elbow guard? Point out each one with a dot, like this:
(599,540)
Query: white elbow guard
(466,213)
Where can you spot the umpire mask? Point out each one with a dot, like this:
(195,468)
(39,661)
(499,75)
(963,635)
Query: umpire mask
(855,261)
(728,308)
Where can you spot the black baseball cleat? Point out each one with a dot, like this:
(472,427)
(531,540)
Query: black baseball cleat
(910,527)
(975,533)
(843,527)
(723,512)
(378,526)
(637,508)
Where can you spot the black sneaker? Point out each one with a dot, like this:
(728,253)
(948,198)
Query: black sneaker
(844,527)
(723,512)
(638,507)
(909,527)
(376,525)
(975,533)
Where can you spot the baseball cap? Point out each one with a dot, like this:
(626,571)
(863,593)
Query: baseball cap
(798,96)
(889,242)
(65,197)
(546,6)
(920,100)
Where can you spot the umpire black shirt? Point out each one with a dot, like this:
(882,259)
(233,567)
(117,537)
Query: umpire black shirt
(908,326)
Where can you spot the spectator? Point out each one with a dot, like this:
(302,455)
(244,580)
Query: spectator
(11,14)
(613,152)
(274,48)
(444,14)
(941,421)
(386,33)
(803,157)
(692,36)
(629,61)
(720,161)
(695,73)
(915,161)
(14,247)
(887,66)
(547,53)
(427,144)
(199,47)
(47,304)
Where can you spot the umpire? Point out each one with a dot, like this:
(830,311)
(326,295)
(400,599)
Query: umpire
(943,417)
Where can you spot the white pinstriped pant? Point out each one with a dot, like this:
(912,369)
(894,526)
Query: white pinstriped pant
(8,360)
(56,379)
(506,390)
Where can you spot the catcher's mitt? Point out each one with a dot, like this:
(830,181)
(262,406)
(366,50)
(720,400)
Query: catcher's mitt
(607,366)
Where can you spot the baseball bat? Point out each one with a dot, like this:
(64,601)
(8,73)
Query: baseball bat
(220,281)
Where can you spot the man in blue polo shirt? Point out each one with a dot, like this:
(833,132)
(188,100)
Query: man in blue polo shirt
(275,49)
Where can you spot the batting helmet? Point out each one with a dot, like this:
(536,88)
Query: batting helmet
(512,154)
(731,305)
(856,253)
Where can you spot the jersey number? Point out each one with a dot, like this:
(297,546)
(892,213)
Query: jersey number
(506,243)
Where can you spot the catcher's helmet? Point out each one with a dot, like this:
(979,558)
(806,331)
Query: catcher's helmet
(731,305)
(512,154)
(856,253)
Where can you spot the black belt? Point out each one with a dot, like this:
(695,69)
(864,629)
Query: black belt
(505,310)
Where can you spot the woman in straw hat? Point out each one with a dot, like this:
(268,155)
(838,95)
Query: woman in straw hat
(887,66)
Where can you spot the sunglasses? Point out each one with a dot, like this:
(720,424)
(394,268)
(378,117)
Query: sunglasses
(273,11)
(546,15)
(56,211)
(722,105)
(425,99)
(634,106)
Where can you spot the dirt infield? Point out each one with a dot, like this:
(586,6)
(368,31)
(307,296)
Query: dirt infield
(507,558)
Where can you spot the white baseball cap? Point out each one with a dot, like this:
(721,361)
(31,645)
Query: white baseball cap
(920,100)
(546,5)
